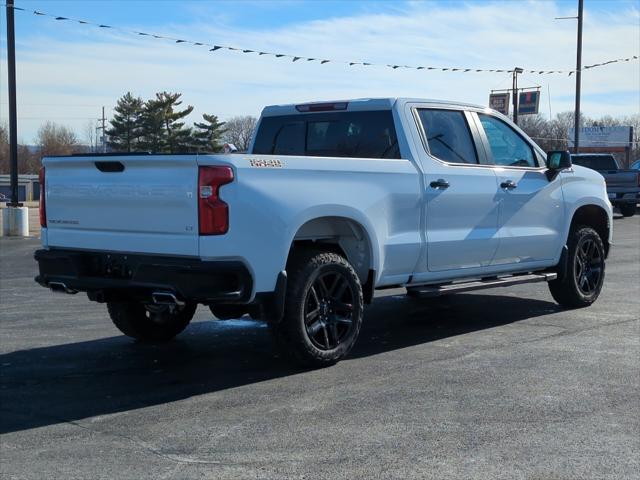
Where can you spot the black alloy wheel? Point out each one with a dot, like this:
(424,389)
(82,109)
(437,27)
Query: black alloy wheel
(588,266)
(328,310)
(323,309)
(580,281)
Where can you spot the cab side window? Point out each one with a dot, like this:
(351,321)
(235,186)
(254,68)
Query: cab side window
(507,147)
(448,135)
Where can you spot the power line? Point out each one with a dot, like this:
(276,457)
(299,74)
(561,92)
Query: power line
(319,59)
(55,105)
(53,117)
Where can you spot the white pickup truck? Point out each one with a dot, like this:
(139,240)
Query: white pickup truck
(334,201)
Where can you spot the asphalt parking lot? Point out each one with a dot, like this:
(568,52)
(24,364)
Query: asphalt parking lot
(494,385)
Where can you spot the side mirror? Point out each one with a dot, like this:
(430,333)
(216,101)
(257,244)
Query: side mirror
(558,160)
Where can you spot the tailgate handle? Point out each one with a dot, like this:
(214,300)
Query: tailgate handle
(109,167)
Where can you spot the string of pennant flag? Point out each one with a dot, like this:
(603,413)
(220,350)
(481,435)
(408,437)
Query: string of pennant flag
(320,60)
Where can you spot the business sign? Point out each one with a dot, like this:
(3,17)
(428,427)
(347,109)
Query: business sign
(613,138)
(499,102)
(528,102)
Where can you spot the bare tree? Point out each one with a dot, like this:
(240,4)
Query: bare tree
(28,160)
(634,121)
(537,128)
(90,135)
(554,134)
(4,149)
(239,130)
(54,139)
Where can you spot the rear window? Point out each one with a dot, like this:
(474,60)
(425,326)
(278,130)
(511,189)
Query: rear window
(595,162)
(369,134)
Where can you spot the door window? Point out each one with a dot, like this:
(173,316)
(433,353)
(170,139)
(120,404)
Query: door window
(448,135)
(507,147)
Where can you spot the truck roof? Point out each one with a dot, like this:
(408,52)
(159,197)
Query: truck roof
(357,104)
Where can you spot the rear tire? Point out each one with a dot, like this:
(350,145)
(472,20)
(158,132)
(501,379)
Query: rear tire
(323,309)
(151,323)
(628,210)
(584,276)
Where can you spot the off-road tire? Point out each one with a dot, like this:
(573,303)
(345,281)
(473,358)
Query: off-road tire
(136,321)
(305,268)
(628,210)
(566,290)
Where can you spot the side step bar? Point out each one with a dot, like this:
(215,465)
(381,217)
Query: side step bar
(428,291)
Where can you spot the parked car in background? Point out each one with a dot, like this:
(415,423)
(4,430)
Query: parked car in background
(635,165)
(623,186)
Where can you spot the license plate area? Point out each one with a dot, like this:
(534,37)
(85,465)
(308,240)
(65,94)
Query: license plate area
(107,265)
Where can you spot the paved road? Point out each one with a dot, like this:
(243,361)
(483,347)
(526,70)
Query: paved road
(499,385)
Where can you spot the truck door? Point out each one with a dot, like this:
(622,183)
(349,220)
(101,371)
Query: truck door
(461,214)
(531,215)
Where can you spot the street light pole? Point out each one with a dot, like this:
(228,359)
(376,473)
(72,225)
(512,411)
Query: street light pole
(576,122)
(13,120)
(15,218)
(514,93)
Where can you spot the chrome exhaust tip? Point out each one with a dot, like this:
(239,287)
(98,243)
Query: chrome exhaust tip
(166,298)
(59,287)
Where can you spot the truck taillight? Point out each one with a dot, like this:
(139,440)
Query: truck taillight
(42,208)
(213,213)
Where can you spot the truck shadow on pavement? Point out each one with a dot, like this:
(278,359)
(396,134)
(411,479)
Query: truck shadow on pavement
(68,382)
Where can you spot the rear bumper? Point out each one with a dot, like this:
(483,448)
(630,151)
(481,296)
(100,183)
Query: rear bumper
(113,276)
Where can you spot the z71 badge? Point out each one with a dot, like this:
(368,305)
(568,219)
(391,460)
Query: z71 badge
(265,163)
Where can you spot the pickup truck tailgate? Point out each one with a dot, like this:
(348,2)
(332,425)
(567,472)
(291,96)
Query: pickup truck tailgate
(137,203)
(620,178)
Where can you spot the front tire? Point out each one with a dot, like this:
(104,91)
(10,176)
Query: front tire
(584,276)
(628,210)
(323,309)
(150,323)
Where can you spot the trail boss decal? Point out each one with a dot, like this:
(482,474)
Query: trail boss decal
(265,163)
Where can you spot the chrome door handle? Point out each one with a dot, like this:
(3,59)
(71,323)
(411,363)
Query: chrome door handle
(509,185)
(440,183)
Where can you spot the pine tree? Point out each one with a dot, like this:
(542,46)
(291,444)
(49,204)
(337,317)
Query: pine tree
(125,131)
(208,134)
(178,137)
(153,133)
(163,132)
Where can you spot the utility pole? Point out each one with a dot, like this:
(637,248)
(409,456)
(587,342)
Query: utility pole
(103,135)
(13,118)
(15,218)
(514,93)
(95,146)
(576,122)
(104,131)
(576,119)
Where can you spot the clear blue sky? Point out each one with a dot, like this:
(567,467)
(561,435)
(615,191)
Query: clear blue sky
(67,71)
(261,14)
